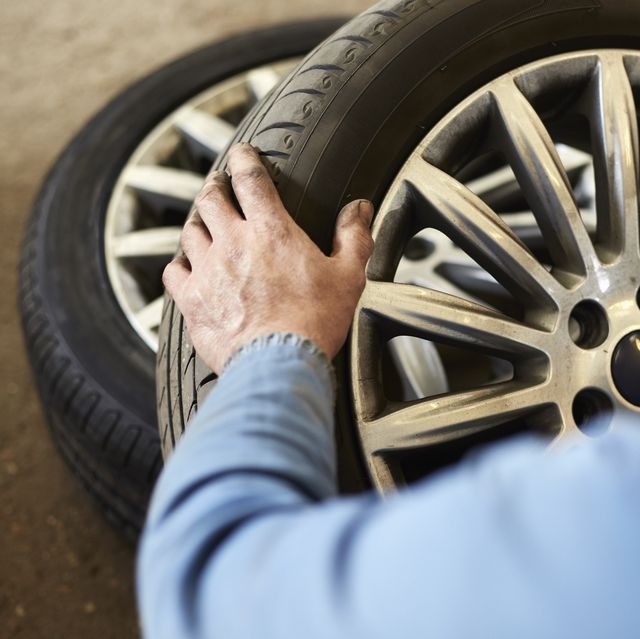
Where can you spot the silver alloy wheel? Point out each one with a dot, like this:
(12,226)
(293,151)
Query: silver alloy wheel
(154,191)
(556,311)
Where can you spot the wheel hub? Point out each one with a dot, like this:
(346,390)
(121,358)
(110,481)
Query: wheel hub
(625,367)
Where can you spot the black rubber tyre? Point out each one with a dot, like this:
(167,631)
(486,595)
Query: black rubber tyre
(346,120)
(95,375)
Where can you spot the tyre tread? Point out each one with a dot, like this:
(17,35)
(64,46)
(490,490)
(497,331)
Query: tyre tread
(278,132)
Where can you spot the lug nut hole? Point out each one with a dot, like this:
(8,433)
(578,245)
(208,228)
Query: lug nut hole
(592,411)
(588,325)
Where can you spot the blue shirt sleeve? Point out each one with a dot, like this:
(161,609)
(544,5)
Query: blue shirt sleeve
(246,537)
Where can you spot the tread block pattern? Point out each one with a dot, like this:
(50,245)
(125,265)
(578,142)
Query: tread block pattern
(103,438)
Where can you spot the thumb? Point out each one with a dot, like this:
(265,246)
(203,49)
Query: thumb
(352,240)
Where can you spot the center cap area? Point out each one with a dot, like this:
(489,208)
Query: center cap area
(625,367)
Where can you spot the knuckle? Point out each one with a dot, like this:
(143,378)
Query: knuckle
(364,241)
(358,280)
(167,276)
(270,222)
(369,244)
(207,193)
(368,238)
(250,175)
(193,226)
(348,216)
(188,229)
(217,179)
(187,235)
(215,186)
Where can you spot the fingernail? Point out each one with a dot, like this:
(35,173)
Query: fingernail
(365,211)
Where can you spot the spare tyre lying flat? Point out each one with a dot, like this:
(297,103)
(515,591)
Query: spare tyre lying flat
(412,104)
(104,224)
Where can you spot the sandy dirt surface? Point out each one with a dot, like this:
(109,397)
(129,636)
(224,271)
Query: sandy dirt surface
(63,571)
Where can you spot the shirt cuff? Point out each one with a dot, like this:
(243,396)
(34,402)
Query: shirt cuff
(290,344)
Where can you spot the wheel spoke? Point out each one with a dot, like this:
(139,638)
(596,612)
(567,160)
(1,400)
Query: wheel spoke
(429,279)
(543,179)
(162,241)
(412,310)
(615,151)
(164,186)
(482,233)
(150,316)
(261,81)
(525,222)
(455,416)
(208,134)
(500,185)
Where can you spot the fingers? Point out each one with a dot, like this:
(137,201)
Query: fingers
(215,204)
(195,240)
(252,184)
(175,276)
(352,241)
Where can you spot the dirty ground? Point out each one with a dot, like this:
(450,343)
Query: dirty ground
(63,571)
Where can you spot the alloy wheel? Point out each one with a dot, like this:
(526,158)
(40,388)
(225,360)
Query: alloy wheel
(157,186)
(532,317)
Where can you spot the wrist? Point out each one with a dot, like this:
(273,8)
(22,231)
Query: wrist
(291,345)
(275,338)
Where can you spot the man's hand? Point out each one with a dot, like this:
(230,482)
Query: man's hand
(243,278)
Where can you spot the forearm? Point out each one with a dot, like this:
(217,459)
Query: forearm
(242,543)
(261,442)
